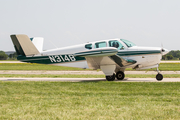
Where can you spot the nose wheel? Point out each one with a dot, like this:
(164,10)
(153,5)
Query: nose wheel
(159,76)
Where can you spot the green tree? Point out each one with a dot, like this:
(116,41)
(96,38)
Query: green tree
(174,53)
(178,55)
(169,57)
(3,55)
(164,57)
(13,56)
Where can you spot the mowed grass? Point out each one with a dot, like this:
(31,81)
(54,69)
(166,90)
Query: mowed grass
(34,66)
(89,100)
(165,67)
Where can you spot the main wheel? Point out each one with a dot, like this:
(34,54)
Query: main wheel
(120,75)
(110,78)
(159,77)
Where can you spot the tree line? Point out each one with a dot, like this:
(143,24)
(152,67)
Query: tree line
(4,56)
(172,55)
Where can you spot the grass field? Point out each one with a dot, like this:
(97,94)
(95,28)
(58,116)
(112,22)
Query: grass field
(89,100)
(34,66)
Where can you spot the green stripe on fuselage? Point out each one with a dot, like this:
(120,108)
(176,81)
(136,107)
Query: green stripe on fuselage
(130,53)
(51,59)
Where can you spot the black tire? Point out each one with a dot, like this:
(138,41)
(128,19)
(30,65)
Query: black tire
(110,78)
(120,75)
(159,77)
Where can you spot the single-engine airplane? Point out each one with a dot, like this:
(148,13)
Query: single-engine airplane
(112,56)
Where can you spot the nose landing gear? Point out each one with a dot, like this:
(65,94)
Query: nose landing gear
(159,76)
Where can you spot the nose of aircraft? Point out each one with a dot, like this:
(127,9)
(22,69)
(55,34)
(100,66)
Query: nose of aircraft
(164,51)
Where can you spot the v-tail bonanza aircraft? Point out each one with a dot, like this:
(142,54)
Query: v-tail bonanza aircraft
(112,56)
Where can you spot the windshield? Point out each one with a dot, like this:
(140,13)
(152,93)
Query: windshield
(128,43)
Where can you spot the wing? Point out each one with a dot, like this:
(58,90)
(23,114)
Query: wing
(103,57)
(98,52)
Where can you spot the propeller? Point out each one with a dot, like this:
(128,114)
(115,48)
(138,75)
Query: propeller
(163,50)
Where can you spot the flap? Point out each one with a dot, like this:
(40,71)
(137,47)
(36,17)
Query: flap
(96,62)
(121,61)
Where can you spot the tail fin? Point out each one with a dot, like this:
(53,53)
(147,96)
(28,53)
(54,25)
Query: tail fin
(23,45)
(38,42)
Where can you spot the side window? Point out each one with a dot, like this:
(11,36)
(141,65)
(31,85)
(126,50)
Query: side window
(88,46)
(116,44)
(100,44)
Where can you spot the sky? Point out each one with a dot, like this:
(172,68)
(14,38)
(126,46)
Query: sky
(61,23)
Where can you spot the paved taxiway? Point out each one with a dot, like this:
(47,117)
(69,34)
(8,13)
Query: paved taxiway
(25,62)
(91,79)
(38,72)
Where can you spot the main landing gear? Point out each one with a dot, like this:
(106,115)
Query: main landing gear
(159,76)
(119,75)
(111,78)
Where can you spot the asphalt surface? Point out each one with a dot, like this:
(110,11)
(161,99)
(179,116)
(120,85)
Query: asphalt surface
(91,79)
(36,72)
(25,62)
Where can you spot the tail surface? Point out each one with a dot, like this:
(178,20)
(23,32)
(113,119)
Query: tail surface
(23,45)
(38,42)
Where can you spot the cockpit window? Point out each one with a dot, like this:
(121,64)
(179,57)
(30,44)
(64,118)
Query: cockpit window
(116,44)
(100,44)
(88,46)
(128,43)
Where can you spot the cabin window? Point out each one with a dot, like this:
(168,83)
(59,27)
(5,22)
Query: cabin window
(116,44)
(88,46)
(128,43)
(100,44)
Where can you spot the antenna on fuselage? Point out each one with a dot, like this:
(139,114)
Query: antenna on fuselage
(53,44)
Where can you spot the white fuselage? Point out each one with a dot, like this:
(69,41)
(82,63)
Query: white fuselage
(145,56)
